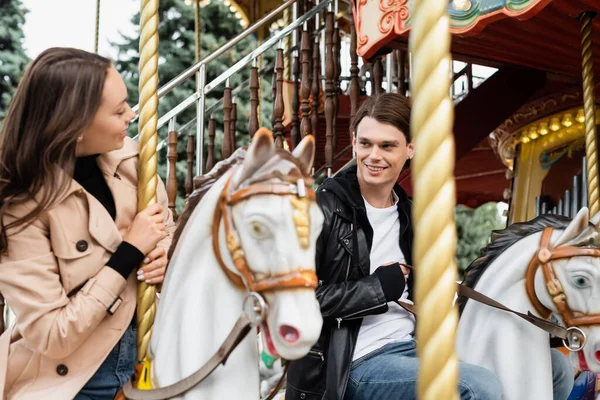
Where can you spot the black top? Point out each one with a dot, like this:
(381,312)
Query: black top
(87,173)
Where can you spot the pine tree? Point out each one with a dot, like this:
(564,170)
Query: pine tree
(177,53)
(474,227)
(12,55)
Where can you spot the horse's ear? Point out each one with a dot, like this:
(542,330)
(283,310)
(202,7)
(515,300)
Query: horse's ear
(579,223)
(305,153)
(260,151)
(595,219)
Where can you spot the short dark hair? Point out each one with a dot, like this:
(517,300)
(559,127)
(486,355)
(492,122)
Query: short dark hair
(387,108)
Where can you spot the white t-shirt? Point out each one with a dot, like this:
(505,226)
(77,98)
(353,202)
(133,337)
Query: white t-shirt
(397,324)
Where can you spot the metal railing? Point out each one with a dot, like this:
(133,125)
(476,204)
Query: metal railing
(269,68)
(199,97)
(179,79)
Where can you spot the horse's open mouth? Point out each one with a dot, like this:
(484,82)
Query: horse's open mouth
(270,346)
(597,355)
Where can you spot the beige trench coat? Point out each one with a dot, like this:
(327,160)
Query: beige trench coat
(55,280)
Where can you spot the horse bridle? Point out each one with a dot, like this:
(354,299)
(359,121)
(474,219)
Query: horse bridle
(543,259)
(255,307)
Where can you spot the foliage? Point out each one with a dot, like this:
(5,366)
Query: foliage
(177,53)
(474,227)
(12,54)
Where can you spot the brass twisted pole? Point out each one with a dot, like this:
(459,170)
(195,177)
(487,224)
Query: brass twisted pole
(197,38)
(589,107)
(97,26)
(146,308)
(434,201)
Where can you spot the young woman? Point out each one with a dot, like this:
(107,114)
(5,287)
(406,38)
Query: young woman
(70,234)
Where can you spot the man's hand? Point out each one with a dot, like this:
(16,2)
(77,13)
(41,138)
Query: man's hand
(405,271)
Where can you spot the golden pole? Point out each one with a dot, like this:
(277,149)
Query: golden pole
(287,71)
(589,107)
(147,179)
(198,45)
(97,26)
(434,200)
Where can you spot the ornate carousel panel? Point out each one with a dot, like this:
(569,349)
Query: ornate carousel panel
(467,17)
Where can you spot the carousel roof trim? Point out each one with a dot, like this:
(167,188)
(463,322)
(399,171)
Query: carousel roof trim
(467,17)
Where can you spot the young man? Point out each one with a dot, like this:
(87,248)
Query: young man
(367,347)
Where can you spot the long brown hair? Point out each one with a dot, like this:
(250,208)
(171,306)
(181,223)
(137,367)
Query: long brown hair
(55,101)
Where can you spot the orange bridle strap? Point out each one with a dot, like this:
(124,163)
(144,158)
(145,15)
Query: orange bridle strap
(246,279)
(543,258)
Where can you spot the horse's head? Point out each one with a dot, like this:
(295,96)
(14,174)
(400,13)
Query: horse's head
(567,283)
(268,223)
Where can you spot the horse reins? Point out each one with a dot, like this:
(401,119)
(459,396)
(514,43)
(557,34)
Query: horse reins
(255,307)
(246,279)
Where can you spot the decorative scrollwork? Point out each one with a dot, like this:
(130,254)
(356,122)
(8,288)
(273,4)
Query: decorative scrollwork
(391,10)
(362,39)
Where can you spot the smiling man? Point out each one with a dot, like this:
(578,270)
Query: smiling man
(367,347)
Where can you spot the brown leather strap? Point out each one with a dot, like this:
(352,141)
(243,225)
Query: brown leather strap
(473,294)
(237,334)
(279,383)
(547,326)
(407,306)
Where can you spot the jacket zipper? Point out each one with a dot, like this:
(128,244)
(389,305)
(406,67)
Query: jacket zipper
(349,316)
(349,258)
(318,354)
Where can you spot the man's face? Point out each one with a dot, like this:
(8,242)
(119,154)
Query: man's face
(381,152)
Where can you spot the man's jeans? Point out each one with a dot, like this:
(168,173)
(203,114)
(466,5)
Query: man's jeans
(390,373)
(114,371)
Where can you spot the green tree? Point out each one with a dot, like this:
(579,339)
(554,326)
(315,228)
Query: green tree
(12,55)
(474,227)
(177,53)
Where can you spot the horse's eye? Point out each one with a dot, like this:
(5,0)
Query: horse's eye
(258,230)
(581,281)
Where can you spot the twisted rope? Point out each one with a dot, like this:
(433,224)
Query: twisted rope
(97,26)
(434,193)
(589,107)
(197,37)
(148,160)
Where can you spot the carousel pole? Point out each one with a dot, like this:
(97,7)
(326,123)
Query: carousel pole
(589,107)
(197,37)
(434,201)
(97,26)
(148,160)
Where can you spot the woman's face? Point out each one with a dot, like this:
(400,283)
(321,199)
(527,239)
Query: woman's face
(109,126)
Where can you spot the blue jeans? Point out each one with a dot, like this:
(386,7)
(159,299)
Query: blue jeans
(390,373)
(114,371)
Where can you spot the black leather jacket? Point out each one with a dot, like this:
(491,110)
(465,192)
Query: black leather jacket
(346,292)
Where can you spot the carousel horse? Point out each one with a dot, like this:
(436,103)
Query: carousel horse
(549,266)
(254,231)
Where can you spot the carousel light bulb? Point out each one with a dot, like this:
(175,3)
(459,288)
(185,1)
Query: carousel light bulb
(533,133)
(580,116)
(461,5)
(567,120)
(554,124)
(226,3)
(543,128)
(525,139)
(232,9)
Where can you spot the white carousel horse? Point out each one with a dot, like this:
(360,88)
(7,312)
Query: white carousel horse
(564,261)
(201,300)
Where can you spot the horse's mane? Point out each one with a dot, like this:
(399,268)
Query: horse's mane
(204,183)
(502,240)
